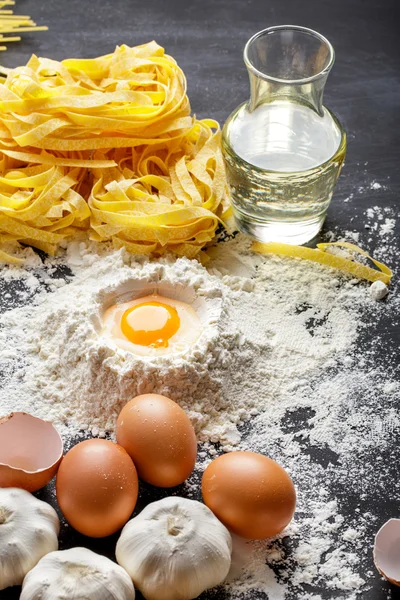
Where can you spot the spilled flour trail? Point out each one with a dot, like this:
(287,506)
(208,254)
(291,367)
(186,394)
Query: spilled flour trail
(281,367)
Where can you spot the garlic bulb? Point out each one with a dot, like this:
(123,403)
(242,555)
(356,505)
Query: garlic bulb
(75,574)
(175,549)
(28,530)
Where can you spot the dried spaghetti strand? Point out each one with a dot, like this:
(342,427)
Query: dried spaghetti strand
(320,256)
(11,23)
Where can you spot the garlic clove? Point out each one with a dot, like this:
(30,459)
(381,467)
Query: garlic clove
(75,574)
(28,530)
(30,451)
(387,551)
(175,549)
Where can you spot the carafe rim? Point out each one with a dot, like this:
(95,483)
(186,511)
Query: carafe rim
(323,73)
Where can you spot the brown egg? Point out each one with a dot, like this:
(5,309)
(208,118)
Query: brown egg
(97,487)
(30,451)
(251,494)
(160,439)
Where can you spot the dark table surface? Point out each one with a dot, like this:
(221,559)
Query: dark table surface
(207,38)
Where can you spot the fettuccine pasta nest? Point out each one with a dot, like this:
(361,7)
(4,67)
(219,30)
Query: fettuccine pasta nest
(107,145)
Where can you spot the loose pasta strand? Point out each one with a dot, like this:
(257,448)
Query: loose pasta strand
(11,23)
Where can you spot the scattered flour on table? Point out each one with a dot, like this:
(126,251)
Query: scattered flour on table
(278,349)
(375,185)
(379,221)
(372,185)
(381,230)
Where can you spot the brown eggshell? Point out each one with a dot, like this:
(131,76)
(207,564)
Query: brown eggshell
(251,494)
(387,551)
(160,439)
(30,451)
(97,487)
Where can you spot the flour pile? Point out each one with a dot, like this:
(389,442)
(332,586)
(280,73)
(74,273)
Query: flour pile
(255,343)
(278,350)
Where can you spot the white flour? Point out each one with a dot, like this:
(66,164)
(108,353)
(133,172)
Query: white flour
(278,348)
(239,365)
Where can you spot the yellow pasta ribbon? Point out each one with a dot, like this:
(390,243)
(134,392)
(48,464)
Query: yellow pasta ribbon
(319,255)
(108,145)
(9,258)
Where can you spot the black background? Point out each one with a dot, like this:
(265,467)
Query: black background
(207,39)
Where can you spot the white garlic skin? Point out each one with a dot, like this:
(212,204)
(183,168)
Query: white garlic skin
(28,530)
(76,574)
(175,549)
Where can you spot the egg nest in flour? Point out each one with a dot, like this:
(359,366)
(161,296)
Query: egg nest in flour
(152,325)
(84,375)
(152,320)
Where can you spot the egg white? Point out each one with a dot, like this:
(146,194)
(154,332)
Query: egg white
(188,333)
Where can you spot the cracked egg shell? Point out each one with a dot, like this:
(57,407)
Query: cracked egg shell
(30,451)
(387,551)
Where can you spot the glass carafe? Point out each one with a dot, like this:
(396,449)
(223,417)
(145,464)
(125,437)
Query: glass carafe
(283,149)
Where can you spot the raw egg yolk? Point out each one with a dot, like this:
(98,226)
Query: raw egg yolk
(150,324)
